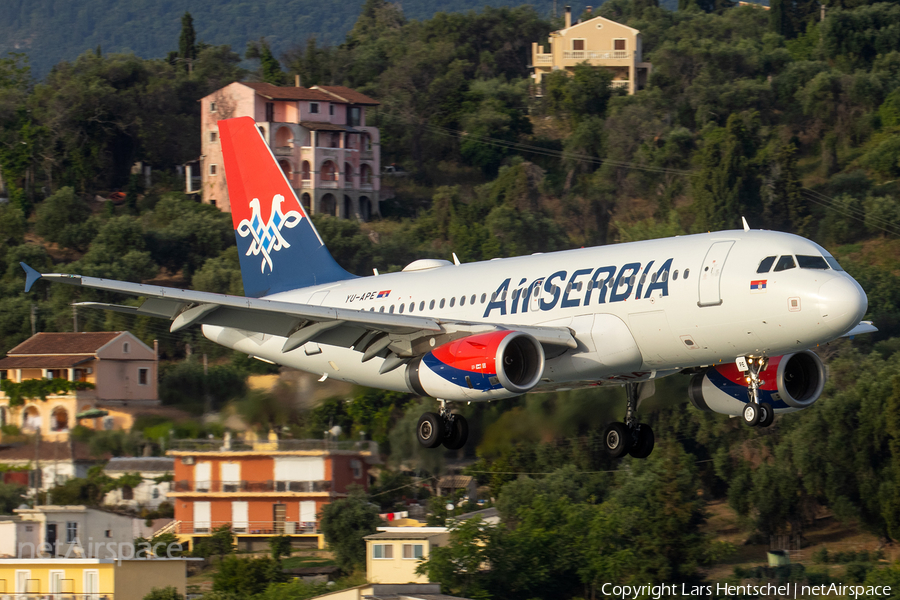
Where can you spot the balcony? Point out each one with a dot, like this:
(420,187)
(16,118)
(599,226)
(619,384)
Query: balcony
(250,527)
(56,595)
(367,155)
(619,83)
(328,185)
(543,59)
(250,487)
(366,187)
(592,55)
(306,184)
(219,445)
(328,152)
(284,151)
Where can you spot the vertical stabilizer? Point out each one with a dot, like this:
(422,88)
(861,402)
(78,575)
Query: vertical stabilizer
(279,247)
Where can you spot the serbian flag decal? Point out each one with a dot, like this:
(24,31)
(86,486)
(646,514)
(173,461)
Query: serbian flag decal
(758,286)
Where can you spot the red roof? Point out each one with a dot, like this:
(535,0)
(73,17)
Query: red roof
(54,344)
(346,94)
(49,451)
(277,92)
(43,362)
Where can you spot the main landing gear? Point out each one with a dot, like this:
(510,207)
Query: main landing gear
(755,413)
(446,428)
(629,437)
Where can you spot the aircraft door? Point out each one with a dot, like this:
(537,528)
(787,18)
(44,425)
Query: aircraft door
(711,274)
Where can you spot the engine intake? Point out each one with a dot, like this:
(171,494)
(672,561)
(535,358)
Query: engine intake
(790,382)
(486,366)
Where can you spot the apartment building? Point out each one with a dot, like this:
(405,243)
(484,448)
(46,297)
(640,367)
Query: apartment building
(598,42)
(121,369)
(263,487)
(327,151)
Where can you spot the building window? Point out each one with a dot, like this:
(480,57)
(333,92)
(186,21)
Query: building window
(212,201)
(126,347)
(212,107)
(577,44)
(108,533)
(382,551)
(314,108)
(329,171)
(212,169)
(618,44)
(331,109)
(143,376)
(155,493)
(353,116)
(213,136)
(270,111)
(127,493)
(71,531)
(412,551)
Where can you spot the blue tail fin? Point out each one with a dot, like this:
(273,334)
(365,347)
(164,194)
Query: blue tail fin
(280,248)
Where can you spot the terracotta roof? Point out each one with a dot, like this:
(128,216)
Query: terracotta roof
(346,94)
(49,451)
(455,481)
(65,343)
(43,362)
(412,534)
(277,92)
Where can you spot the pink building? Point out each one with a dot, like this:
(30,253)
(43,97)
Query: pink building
(319,136)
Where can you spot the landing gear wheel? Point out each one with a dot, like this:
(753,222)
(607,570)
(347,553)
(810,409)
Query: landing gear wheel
(766,414)
(430,430)
(644,443)
(458,433)
(617,439)
(751,414)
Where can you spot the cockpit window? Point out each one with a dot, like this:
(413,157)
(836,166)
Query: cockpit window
(833,263)
(811,262)
(784,263)
(766,264)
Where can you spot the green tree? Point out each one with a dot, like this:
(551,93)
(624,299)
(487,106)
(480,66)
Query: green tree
(219,543)
(270,68)
(345,523)
(187,43)
(166,593)
(246,576)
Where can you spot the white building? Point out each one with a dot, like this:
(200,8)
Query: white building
(156,474)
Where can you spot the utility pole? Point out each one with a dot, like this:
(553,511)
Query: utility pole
(75,318)
(207,399)
(33,319)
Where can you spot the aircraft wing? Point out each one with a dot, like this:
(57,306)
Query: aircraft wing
(373,333)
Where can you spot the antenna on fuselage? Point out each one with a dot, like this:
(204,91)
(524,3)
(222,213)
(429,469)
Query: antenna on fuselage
(455,259)
(746,226)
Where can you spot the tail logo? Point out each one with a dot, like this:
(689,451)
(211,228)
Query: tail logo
(267,236)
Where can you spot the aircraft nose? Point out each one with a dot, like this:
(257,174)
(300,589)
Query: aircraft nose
(842,304)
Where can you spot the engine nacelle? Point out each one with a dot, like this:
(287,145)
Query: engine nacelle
(486,366)
(790,382)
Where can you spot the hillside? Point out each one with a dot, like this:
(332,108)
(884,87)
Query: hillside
(50,31)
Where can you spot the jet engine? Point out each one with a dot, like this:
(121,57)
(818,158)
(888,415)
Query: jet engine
(789,383)
(486,366)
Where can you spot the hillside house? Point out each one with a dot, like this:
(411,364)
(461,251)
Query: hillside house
(122,369)
(328,152)
(263,487)
(598,42)
(154,487)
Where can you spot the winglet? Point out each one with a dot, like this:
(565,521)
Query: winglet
(30,276)
(746,226)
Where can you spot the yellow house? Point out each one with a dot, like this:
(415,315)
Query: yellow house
(96,578)
(393,554)
(599,42)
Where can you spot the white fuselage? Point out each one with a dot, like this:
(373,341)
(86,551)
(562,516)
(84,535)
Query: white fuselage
(672,304)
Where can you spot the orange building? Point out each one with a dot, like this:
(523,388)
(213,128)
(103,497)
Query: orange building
(262,488)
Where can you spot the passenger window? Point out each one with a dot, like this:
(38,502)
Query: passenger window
(472,299)
(462,300)
(452,302)
(644,278)
(483,298)
(686,273)
(811,262)
(784,263)
(431,305)
(381,309)
(422,305)
(412,306)
(442,303)
(503,297)
(765,264)
(675,275)
(401,308)
(665,275)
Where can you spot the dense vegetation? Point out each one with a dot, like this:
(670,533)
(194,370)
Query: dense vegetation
(778,116)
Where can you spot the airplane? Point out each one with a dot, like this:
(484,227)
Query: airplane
(739,311)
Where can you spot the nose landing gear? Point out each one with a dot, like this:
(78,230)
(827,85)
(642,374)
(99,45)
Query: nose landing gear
(629,437)
(755,413)
(446,428)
